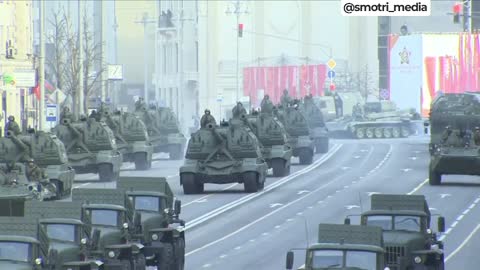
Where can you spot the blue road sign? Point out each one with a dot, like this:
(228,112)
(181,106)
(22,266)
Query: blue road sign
(331,74)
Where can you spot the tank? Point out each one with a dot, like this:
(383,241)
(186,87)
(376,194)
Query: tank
(131,136)
(298,133)
(49,154)
(273,137)
(316,124)
(454,137)
(91,147)
(229,153)
(163,130)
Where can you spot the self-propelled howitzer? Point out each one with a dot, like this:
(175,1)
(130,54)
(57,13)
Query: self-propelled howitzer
(91,147)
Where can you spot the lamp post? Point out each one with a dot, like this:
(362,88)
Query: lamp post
(237,10)
(145,21)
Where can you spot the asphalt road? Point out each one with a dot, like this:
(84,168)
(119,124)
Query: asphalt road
(229,229)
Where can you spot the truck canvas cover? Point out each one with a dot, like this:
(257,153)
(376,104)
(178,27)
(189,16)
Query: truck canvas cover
(99,196)
(134,183)
(53,209)
(350,234)
(399,202)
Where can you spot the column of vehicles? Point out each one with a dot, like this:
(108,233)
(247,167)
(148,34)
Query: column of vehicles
(244,148)
(395,234)
(347,114)
(133,226)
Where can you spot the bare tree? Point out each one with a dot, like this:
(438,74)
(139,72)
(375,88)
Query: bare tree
(64,63)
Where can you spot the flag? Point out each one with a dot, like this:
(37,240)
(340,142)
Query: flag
(321,77)
(36,91)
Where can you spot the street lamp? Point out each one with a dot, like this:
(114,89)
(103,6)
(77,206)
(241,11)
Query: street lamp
(237,10)
(145,21)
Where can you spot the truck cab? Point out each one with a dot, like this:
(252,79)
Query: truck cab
(344,247)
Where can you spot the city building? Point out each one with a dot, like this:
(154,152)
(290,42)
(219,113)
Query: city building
(17,63)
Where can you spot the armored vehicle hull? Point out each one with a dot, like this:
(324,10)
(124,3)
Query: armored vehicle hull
(450,160)
(91,148)
(221,155)
(299,136)
(377,129)
(316,123)
(48,153)
(273,137)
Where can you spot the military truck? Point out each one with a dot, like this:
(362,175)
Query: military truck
(298,131)
(163,130)
(409,240)
(49,154)
(111,212)
(344,247)
(91,147)
(163,233)
(456,149)
(273,139)
(131,136)
(316,124)
(24,245)
(228,153)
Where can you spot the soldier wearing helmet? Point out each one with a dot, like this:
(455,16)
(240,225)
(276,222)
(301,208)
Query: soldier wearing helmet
(238,110)
(33,172)
(12,126)
(206,119)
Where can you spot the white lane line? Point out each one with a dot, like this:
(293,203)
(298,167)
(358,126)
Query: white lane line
(206,196)
(418,187)
(387,156)
(460,217)
(463,243)
(454,224)
(223,256)
(197,221)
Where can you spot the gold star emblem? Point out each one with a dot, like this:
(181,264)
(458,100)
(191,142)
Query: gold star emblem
(404,56)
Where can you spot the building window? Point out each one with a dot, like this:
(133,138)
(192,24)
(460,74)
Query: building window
(196,56)
(176,57)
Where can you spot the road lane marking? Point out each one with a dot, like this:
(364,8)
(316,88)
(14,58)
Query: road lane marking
(207,196)
(460,217)
(418,187)
(197,221)
(463,243)
(302,191)
(387,156)
(273,205)
(443,196)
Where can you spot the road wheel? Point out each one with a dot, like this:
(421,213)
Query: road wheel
(387,132)
(434,178)
(250,182)
(176,152)
(180,254)
(405,132)
(278,167)
(139,263)
(167,258)
(379,133)
(360,133)
(305,157)
(321,146)
(105,172)
(396,132)
(141,162)
(190,185)
(370,132)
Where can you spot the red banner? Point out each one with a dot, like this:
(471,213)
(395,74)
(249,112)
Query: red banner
(443,73)
(292,81)
(312,82)
(430,67)
(276,89)
(247,81)
(283,78)
(321,77)
(303,80)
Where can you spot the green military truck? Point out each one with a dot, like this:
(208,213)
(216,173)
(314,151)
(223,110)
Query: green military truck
(348,247)
(409,241)
(24,245)
(111,212)
(163,233)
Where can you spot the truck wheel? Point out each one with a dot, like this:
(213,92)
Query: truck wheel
(396,132)
(105,172)
(405,132)
(180,254)
(370,133)
(387,132)
(434,178)
(379,133)
(175,152)
(141,162)
(305,157)
(167,260)
(190,185)
(250,182)
(360,133)
(321,146)
(278,167)
(139,262)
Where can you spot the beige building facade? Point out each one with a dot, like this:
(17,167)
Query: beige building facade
(16,30)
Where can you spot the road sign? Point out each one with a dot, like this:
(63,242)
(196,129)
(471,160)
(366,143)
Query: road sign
(331,74)
(25,78)
(332,87)
(331,64)
(51,113)
(219,97)
(384,94)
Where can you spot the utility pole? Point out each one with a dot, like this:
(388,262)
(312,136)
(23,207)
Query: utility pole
(115,87)
(79,97)
(41,111)
(155,49)
(145,21)
(237,11)
(180,66)
(103,68)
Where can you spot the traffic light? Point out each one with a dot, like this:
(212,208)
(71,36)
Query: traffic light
(240,30)
(332,87)
(457,9)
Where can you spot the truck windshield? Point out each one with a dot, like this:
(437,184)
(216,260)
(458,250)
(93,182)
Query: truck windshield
(104,217)
(15,251)
(334,259)
(147,203)
(62,232)
(399,223)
